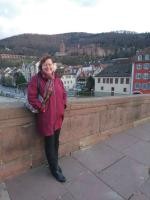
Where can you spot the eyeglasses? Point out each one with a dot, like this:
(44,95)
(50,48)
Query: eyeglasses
(47,65)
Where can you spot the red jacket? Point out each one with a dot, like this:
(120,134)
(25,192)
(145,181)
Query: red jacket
(52,118)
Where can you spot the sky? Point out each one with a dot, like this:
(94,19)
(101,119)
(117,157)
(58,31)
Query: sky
(62,16)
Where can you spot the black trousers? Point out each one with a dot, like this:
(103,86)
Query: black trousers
(51,149)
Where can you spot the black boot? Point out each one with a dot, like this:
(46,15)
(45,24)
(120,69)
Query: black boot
(59,169)
(58,175)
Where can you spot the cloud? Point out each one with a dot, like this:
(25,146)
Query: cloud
(8,10)
(86,2)
(52,17)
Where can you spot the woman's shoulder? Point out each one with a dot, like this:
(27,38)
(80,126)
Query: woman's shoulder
(58,79)
(34,78)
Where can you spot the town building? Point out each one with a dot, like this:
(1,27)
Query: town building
(69,81)
(141,72)
(29,70)
(114,79)
(69,77)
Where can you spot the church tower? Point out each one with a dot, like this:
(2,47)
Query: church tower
(62,47)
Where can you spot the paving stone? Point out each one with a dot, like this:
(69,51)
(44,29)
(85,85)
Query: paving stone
(71,167)
(125,176)
(38,184)
(3,192)
(89,187)
(98,157)
(121,141)
(140,152)
(145,188)
(141,132)
(66,196)
(139,196)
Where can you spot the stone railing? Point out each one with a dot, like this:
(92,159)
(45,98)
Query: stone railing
(87,121)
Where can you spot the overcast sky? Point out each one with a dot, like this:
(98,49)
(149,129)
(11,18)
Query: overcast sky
(60,16)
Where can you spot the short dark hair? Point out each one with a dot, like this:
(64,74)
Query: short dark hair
(43,59)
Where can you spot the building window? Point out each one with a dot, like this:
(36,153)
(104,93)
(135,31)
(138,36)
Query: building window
(138,66)
(145,76)
(112,89)
(107,80)
(111,80)
(99,80)
(137,85)
(124,89)
(127,80)
(104,80)
(139,57)
(102,88)
(121,80)
(147,57)
(138,76)
(144,86)
(146,66)
(116,80)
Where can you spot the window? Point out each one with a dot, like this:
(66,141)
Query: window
(147,57)
(99,80)
(139,57)
(102,88)
(116,80)
(124,89)
(127,80)
(144,86)
(145,76)
(122,80)
(107,80)
(138,76)
(112,89)
(137,85)
(104,80)
(146,66)
(138,66)
(111,80)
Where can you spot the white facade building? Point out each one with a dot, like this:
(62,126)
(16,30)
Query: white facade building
(29,70)
(117,85)
(69,81)
(114,79)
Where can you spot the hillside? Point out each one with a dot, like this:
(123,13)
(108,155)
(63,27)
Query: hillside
(36,44)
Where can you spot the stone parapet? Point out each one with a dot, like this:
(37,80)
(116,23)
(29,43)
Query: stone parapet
(87,121)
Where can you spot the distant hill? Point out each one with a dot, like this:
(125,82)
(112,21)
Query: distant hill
(37,45)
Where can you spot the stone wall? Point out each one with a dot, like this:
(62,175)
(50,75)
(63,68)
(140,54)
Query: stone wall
(87,121)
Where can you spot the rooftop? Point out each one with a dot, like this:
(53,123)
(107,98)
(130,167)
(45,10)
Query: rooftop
(116,70)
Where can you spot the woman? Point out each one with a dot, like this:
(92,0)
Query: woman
(46,93)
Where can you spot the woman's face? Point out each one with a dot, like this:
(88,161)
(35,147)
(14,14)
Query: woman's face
(48,66)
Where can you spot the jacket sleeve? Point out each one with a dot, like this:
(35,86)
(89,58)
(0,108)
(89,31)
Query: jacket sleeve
(32,93)
(65,98)
(64,95)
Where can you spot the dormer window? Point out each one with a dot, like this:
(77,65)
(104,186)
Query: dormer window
(139,57)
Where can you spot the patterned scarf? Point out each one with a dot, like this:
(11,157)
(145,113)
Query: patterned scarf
(49,87)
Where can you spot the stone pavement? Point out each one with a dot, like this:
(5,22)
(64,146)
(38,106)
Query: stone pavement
(114,169)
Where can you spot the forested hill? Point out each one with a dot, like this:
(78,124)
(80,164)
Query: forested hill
(37,44)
